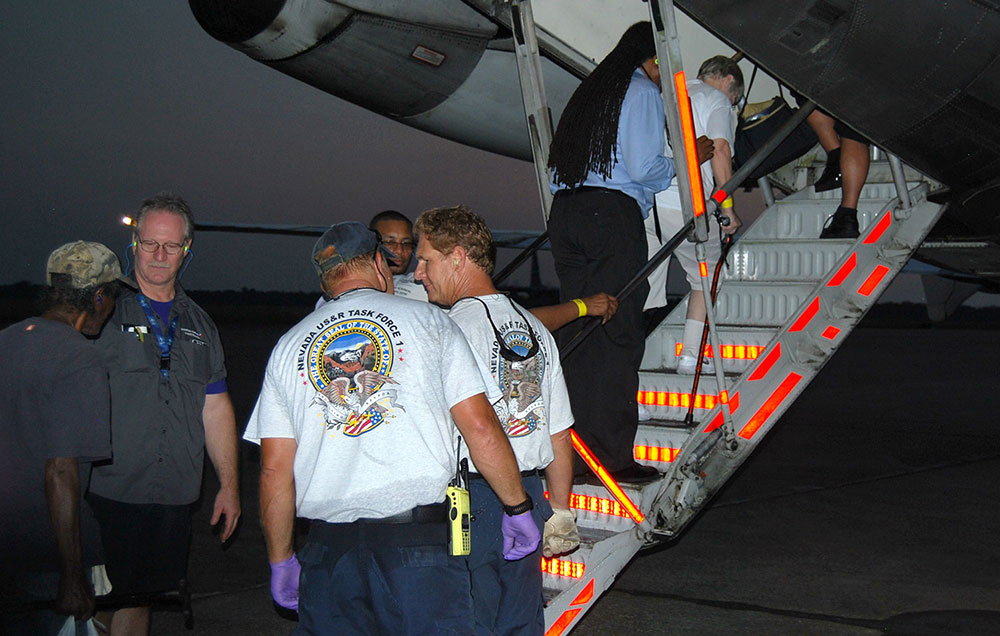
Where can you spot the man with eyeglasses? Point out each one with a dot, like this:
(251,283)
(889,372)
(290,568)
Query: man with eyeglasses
(169,405)
(397,234)
(455,258)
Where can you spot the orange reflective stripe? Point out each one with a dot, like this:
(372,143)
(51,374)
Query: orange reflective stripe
(605,477)
(770,405)
(768,362)
(879,229)
(844,270)
(830,332)
(806,316)
(703,269)
(873,280)
(585,595)
(562,622)
(691,152)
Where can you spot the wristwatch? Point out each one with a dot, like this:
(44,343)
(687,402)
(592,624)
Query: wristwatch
(519,509)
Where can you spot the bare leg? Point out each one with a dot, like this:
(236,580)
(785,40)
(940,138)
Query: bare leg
(854,160)
(696,307)
(130,621)
(822,124)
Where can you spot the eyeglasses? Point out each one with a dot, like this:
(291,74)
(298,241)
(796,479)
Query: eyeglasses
(396,246)
(506,352)
(151,246)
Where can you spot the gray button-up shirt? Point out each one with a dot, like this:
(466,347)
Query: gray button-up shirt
(157,432)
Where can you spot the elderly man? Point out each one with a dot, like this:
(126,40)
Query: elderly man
(170,404)
(719,85)
(55,409)
(357,423)
(455,259)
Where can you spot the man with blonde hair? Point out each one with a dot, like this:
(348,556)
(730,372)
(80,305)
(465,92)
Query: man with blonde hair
(455,258)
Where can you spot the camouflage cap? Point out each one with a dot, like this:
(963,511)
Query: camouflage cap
(86,264)
(344,241)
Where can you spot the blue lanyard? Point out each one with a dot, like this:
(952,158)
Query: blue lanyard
(164,341)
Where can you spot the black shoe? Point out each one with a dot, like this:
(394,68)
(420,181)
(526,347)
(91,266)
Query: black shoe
(636,474)
(843,224)
(831,176)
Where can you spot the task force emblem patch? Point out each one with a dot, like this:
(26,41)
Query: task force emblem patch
(349,364)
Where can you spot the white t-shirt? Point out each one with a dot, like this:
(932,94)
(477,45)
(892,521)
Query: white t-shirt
(713,117)
(364,385)
(406,286)
(535,404)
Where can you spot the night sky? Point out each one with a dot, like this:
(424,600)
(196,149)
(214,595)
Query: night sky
(107,103)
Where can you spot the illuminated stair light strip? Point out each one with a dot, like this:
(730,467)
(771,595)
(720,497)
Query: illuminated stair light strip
(729,351)
(560,567)
(656,453)
(676,400)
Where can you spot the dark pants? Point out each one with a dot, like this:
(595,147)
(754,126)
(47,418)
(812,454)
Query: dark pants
(599,243)
(363,578)
(506,595)
(146,546)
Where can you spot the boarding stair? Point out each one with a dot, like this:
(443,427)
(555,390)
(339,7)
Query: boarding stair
(786,302)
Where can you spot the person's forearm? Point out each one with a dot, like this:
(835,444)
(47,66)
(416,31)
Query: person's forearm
(489,448)
(62,491)
(722,162)
(559,472)
(277,497)
(220,439)
(555,316)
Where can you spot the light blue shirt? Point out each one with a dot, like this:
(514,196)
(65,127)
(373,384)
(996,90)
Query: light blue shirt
(639,167)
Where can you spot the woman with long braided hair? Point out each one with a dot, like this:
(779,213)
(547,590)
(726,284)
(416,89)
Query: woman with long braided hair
(607,161)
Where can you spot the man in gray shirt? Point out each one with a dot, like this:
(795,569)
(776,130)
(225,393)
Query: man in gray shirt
(169,404)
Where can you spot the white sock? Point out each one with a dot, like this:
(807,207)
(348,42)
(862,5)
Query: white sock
(692,337)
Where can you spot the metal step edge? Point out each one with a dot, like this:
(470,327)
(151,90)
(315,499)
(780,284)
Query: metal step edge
(751,303)
(775,260)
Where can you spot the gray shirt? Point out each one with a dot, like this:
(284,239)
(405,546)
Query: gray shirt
(157,432)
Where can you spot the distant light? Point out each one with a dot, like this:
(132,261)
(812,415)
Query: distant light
(127,220)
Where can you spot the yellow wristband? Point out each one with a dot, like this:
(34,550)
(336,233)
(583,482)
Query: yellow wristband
(581,306)
(727,203)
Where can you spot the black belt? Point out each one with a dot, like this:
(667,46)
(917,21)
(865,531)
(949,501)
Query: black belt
(431,513)
(583,189)
(524,473)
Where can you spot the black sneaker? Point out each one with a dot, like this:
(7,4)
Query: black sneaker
(831,176)
(843,224)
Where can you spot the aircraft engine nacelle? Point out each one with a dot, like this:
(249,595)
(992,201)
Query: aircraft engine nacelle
(436,65)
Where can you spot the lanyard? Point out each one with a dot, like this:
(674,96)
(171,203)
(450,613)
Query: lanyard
(164,341)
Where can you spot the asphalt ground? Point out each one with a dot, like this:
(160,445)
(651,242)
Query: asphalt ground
(871,508)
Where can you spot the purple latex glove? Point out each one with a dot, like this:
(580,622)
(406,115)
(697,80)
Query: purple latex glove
(285,583)
(520,536)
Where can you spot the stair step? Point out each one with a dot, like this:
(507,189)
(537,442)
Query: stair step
(775,260)
(751,304)
(740,346)
(666,396)
(804,218)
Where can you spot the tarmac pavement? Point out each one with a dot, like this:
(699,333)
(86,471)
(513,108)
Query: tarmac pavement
(871,508)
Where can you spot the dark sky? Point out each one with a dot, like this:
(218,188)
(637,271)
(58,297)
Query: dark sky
(106,103)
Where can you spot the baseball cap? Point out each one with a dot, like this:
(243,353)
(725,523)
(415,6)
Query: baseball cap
(86,264)
(344,241)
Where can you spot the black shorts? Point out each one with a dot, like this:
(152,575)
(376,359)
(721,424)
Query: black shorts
(146,546)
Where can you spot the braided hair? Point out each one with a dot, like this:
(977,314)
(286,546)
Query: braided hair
(588,129)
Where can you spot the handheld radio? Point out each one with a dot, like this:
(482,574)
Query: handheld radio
(459,513)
